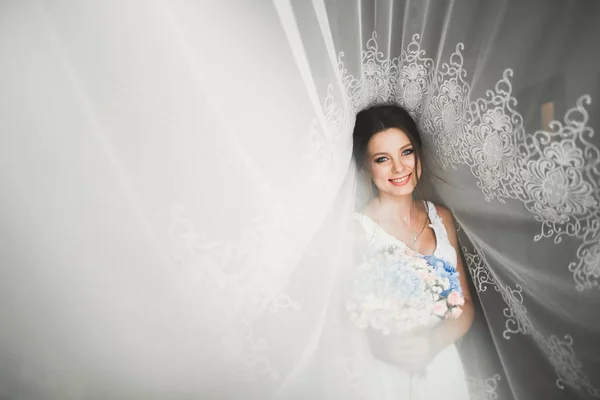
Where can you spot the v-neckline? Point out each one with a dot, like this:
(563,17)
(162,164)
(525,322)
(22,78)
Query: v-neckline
(403,243)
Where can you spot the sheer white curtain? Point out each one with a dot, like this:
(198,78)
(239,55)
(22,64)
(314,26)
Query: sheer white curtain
(504,94)
(177,189)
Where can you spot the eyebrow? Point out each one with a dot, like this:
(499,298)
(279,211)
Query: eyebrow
(384,153)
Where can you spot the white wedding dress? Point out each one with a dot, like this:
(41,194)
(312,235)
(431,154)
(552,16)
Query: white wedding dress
(445,377)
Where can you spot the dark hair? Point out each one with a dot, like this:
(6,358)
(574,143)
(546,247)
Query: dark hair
(379,118)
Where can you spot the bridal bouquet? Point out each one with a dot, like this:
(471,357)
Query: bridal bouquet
(397,290)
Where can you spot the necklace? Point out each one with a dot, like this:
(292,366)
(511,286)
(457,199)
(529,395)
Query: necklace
(415,236)
(414,223)
(413,219)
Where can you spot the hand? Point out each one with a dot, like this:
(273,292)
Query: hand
(413,351)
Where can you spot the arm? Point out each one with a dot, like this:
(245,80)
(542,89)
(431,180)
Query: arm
(451,330)
(359,242)
(415,352)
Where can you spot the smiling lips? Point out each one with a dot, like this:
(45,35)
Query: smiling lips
(400,181)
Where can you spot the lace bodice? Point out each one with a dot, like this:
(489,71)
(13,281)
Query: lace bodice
(378,238)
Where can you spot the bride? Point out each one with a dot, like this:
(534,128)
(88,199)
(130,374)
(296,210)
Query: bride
(424,363)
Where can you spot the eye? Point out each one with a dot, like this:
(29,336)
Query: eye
(407,152)
(380,160)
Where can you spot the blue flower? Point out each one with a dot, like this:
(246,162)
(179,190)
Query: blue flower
(444,269)
(395,278)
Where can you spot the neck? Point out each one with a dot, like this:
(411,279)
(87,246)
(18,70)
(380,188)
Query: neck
(397,207)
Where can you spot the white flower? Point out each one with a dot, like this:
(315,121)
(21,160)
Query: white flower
(455,312)
(396,291)
(440,308)
(455,299)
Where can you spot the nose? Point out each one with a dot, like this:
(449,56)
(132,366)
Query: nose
(397,166)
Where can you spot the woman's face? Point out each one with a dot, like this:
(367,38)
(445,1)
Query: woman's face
(391,162)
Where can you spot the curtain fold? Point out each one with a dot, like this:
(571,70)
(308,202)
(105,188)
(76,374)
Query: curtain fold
(178,190)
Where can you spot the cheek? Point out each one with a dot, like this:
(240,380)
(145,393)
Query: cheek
(409,163)
(378,171)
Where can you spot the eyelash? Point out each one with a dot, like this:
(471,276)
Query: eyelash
(406,152)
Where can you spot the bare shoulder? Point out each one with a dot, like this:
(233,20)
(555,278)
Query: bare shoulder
(359,234)
(445,213)
(359,230)
(359,239)
(447,218)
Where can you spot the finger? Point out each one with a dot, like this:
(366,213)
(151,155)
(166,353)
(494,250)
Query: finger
(412,366)
(413,340)
(410,351)
(417,359)
(408,357)
(420,349)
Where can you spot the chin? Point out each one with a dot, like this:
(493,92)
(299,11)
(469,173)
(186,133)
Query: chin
(404,192)
(398,191)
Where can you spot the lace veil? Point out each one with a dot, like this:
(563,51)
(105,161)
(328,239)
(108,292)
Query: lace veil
(178,189)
